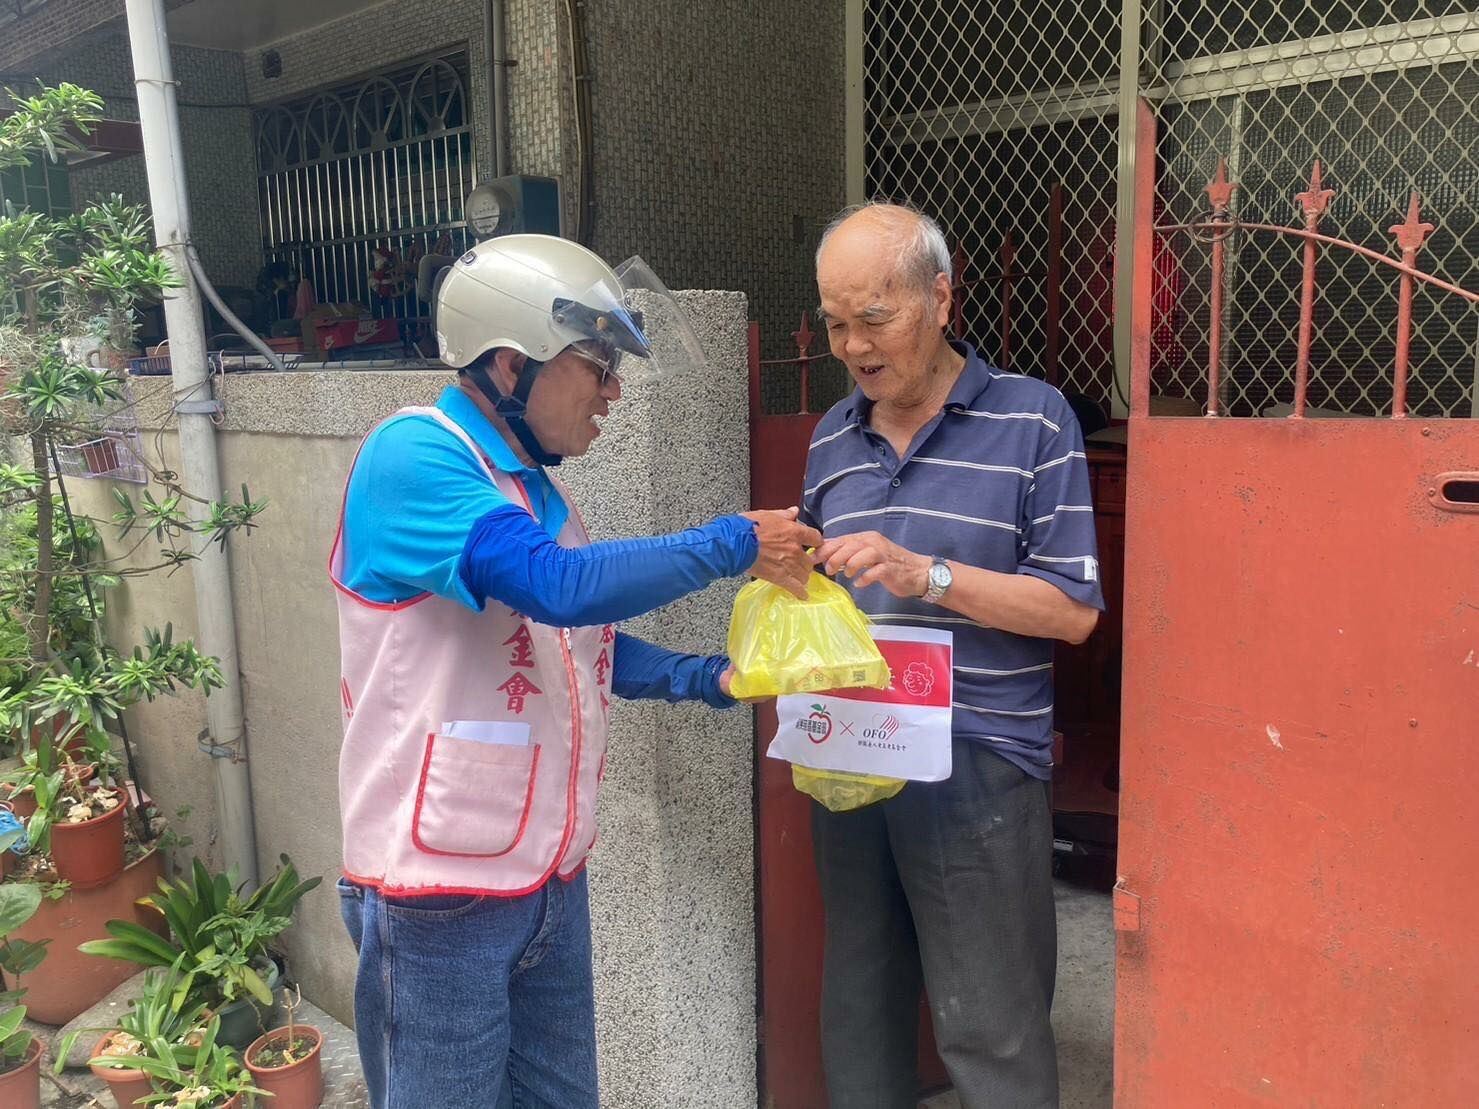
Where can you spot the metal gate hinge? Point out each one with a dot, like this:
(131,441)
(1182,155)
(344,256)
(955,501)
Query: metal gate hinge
(1126,909)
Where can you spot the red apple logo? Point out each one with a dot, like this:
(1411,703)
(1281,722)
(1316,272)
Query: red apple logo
(817,726)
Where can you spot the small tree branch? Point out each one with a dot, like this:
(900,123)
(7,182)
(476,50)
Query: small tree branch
(38,627)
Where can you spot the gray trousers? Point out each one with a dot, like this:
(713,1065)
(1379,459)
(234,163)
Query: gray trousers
(949,883)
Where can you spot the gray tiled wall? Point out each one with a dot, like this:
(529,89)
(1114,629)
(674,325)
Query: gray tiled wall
(719,145)
(215,130)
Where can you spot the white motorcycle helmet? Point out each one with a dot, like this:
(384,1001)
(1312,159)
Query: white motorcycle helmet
(538,295)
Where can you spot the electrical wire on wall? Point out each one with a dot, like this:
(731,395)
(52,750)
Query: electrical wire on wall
(580,80)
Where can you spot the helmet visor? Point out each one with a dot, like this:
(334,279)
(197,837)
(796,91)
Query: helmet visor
(640,319)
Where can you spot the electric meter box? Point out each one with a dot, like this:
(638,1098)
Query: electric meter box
(517,204)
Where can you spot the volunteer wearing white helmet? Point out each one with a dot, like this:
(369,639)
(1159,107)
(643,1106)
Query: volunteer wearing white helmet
(479,656)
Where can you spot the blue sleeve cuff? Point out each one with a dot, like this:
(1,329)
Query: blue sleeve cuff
(713,694)
(644,671)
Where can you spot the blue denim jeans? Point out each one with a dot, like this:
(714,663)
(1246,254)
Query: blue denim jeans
(464,1001)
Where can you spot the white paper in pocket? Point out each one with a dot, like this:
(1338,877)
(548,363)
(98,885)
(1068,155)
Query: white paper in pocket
(510,733)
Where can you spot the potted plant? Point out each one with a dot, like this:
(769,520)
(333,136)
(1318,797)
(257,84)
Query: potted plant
(207,1075)
(20,1052)
(158,1014)
(219,937)
(87,833)
(288,1061)
(68,283)
(73,818)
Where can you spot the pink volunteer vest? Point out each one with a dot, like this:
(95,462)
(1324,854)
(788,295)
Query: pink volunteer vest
(473,742)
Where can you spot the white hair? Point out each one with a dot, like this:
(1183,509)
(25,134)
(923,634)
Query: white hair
(923,253)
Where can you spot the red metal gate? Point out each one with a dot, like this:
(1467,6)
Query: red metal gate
(1296,905)
(1301,685)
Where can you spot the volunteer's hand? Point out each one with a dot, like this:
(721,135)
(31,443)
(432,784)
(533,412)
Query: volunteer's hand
(870,559)
(783,559)
(726,680)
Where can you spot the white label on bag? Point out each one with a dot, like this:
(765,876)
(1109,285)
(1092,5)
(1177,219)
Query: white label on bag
(508,732)
(899,732)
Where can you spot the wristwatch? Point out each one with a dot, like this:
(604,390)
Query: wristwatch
(939,580)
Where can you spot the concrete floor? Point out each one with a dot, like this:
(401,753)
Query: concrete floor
(1083,1008)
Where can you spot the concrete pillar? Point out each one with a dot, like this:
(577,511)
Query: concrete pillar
(672,879)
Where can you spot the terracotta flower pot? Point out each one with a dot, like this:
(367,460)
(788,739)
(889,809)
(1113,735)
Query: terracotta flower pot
(70,982)
(128,1086)
(80,773)
(76,745)
(298,1085)
(91,853)
(100,455)
(23,804)
(73,746)
(21,1088)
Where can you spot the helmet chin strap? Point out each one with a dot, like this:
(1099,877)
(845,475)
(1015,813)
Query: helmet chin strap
(513,409)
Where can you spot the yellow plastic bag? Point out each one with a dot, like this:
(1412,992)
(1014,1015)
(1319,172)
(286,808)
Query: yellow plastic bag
(780,644)
(842,790)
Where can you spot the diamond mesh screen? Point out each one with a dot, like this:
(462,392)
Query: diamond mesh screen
(978,113)
(975,113)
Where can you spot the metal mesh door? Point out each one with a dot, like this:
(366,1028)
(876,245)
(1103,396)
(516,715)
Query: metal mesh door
(1385,95)
(1002,120)
(998,119)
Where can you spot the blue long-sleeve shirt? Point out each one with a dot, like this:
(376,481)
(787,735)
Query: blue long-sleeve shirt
(421,516)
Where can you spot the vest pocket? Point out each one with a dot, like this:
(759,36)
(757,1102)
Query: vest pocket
(474,798)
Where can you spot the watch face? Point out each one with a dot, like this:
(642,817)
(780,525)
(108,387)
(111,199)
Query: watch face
(940,576)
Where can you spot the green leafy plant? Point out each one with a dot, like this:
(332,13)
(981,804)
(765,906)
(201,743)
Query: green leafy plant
(63,279)
(174,837)
(199,1076)
(55,891)
(18,903)
(219,935)
(157,1014)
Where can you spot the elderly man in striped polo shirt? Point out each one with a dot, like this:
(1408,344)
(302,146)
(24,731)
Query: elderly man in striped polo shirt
(949,495)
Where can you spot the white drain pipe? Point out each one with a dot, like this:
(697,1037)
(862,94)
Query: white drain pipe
(159,121)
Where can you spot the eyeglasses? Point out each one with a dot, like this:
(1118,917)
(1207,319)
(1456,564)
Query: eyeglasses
(602,359)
